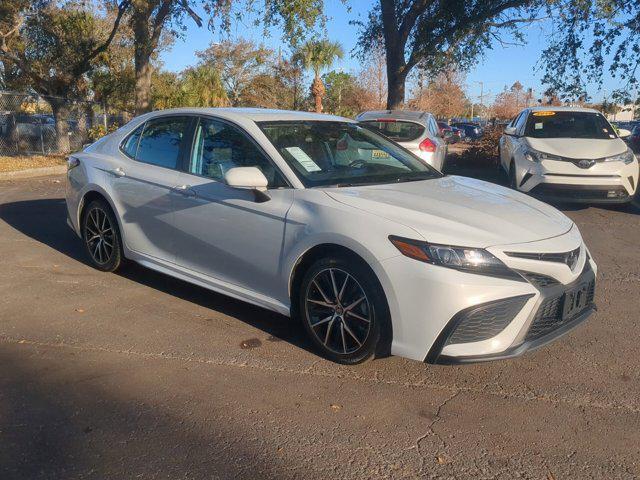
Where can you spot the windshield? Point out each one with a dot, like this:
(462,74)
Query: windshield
(325,153)
(396,130)
(550,124)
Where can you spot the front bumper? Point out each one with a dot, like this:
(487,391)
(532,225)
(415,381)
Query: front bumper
(424,299)
(545,325)
(564,181)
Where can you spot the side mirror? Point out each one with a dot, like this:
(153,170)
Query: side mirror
(510,130)
(250,178)
(623,133)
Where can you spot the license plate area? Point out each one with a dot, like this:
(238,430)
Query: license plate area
(575,300)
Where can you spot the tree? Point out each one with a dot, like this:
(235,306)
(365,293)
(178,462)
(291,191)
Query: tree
(239,62)
(373,79)
(509,102)
(150,18)
(593,40)
(443,96)
(202,87)
(51,47)
(437,35)
(318,55)
(345,95)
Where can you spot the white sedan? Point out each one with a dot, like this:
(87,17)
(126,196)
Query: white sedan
(373,250)
(568,154)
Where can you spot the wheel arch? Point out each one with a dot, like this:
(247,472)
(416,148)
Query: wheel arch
(95,192)
(321,250)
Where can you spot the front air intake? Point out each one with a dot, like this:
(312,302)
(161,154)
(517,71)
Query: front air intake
(485,321)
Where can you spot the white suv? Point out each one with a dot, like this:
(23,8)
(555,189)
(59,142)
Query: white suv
(568,154)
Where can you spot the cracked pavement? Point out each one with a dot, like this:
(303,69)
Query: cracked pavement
(138,375)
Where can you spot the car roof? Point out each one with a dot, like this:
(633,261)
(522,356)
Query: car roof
(553,108)
(254,114)
(398,114)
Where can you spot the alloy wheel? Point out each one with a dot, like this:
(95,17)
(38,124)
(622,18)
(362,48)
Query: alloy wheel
(338,311)
(99,235)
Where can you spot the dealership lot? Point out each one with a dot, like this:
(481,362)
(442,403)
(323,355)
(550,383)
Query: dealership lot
(138,374)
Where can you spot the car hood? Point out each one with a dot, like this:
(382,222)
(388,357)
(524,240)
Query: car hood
(458,211)
(579,148)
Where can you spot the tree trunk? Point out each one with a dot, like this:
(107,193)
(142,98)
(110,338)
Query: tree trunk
(61,112)
(142,59)
(317,90)
(396,88)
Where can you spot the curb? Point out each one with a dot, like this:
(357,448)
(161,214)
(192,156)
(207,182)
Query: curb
(33,172)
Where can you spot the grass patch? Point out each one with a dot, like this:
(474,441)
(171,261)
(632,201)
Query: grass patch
(19,162)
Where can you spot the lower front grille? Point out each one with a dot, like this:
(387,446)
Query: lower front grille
(580,192)
(485,321)
(549,316)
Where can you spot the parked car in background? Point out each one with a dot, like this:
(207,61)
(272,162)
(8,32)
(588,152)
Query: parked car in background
(449,133)
(472,131)
(418,132)
(290,211)
(634,139)
(568,154)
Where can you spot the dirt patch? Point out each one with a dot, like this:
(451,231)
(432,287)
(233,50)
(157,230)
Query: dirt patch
(19,162)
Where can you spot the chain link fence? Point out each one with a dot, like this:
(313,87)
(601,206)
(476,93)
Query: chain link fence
(31,124)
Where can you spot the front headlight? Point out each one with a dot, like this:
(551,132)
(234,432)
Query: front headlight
(471,260)
(535,156)
(626,157)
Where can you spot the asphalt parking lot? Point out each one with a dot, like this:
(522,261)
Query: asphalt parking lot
(137,375)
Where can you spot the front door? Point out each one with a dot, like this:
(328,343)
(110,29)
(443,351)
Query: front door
(223,232)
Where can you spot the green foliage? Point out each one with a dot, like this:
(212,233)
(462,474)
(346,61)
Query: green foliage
(202,87)
(318,55)
(344,95)
(587,33)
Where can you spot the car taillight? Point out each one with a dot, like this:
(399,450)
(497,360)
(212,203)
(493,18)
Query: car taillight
(427,146)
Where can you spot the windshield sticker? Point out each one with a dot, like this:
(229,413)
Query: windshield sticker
(303,159)
(543,114)
(538,126)
(379,154)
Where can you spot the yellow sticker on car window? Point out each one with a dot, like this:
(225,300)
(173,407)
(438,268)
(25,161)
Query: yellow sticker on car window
(543,114)
(379,154)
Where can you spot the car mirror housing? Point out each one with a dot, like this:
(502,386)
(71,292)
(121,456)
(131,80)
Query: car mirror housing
(510,130)
(250,178)
(623,133)
(246,177)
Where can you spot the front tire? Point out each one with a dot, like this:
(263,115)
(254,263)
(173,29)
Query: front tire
(101,236)
(343,309)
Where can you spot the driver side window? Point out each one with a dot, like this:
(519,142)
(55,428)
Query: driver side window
(218,147)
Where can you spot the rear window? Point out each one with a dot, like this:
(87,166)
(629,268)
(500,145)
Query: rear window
(396,130)
(557,124)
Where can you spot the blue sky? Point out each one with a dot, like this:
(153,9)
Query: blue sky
(499,67)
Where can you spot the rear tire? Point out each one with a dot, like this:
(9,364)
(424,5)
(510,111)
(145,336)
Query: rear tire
(343,309)
(101,236)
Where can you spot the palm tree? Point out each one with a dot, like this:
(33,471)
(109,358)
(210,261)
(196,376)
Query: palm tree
(318,55)
(202,87)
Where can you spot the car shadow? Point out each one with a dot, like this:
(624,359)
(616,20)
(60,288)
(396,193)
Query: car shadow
(44,220)
(64,417)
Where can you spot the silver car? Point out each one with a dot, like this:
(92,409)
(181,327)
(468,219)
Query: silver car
(418,132)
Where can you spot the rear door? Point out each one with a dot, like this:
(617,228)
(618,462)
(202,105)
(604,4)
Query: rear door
(142,185)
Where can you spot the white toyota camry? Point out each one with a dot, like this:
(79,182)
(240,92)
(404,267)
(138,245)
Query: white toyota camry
(320,218)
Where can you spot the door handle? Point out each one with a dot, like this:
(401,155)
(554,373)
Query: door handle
(118,172)
(185,190)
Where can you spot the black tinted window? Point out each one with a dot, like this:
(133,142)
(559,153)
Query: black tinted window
(568,124)
(161,141)
(397,130)
(130,146)
(218,147)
